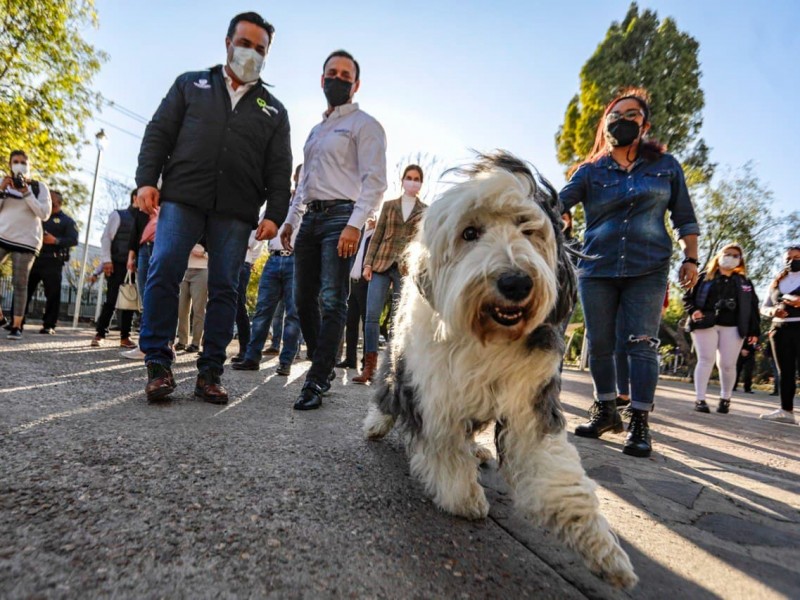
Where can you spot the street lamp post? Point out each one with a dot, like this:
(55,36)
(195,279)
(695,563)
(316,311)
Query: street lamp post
(100,139)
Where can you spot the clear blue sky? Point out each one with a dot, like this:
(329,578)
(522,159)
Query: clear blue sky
(445,76)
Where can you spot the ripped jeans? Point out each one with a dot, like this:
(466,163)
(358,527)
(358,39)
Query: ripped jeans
(637,301)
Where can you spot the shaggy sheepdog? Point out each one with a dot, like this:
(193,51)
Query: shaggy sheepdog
(477,339)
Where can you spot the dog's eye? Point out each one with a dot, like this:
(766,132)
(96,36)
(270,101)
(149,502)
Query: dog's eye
(471,234)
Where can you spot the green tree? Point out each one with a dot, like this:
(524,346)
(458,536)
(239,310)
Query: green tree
(46,68)
(738,208)
(642,51)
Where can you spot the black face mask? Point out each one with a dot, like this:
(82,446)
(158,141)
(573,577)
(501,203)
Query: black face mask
(622,133)
(337,91)
(794,265)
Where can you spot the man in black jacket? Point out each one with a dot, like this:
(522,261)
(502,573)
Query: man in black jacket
(60,234)
(220,140)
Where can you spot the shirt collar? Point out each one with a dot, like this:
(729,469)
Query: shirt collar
(610,164)
(340,111)
(229,83)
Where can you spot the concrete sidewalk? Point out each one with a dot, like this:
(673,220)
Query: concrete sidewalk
(103,495)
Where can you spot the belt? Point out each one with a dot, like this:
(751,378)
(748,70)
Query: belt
(323,205)
(281,253)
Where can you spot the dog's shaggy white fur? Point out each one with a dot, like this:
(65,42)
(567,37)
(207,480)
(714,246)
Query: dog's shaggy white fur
(477,339)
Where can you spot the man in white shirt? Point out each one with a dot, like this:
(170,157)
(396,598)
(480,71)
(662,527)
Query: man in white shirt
(114,257)
(343,181)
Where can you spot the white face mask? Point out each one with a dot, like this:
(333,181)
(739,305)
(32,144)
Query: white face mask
(19,169)
(411,187)
(729,262)
(246,64)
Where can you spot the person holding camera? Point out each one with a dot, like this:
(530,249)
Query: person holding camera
(723,311)
(60,234)
(782,304)
(24,205)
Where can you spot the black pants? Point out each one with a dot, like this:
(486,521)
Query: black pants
(113,282)
(744,371)
(786,348)
(242,318)
(356,316)
(48,272)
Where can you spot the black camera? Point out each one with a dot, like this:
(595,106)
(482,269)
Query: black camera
(18,180)
(725,304)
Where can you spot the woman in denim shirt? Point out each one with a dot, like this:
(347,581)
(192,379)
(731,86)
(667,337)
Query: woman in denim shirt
(627,185)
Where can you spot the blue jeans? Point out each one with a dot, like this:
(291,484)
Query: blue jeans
(242,318)
(621,362)
(276,285)
(636,301)
(322,286)
(142,270)
(376,300)
(179,229)
(277,326)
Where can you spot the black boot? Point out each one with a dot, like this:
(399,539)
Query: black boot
(724,406)
(638,442)
(603,416)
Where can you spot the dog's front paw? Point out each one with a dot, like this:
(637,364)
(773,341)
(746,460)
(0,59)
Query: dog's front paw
(482,453)
(473,505)
(615,568)
(377,424)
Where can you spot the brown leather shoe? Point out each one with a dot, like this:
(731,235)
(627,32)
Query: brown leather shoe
(209,388)
(127,344)
(370,366)
(160,382)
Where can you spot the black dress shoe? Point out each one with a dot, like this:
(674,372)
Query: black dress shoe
(622,401)
(603,416)
(246,365)
(346,364)
(284,370)
(310,398)
(237,358)
(178,347)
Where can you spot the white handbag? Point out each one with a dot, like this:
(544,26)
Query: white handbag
(128,297)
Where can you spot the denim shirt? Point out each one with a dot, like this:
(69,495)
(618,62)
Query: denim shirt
(625,225)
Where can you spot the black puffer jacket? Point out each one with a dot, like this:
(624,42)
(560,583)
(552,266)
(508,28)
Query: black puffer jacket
(217,159)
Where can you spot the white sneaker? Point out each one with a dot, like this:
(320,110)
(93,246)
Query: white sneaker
(134,354)
(779,416)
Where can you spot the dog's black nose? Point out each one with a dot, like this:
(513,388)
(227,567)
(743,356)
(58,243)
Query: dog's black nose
(515,286)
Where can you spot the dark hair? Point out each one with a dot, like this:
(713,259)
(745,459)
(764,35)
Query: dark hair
(343,54)
(17,153)
(416,168)
(134,192)
(297,170)
(785,271)
(255,19)
(57,193)
(648,149)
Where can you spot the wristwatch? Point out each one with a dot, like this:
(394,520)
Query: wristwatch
(691,260)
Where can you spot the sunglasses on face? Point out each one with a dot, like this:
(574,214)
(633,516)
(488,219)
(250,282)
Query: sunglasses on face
(628,115)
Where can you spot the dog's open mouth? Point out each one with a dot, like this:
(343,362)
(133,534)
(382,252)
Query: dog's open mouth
(507,316)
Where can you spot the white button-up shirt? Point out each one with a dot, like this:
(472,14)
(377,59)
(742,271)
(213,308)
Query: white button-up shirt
(238,93)
(344,159)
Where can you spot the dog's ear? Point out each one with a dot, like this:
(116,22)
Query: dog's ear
(567,287)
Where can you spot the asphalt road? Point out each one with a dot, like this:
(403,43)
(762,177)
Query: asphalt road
(103,495)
